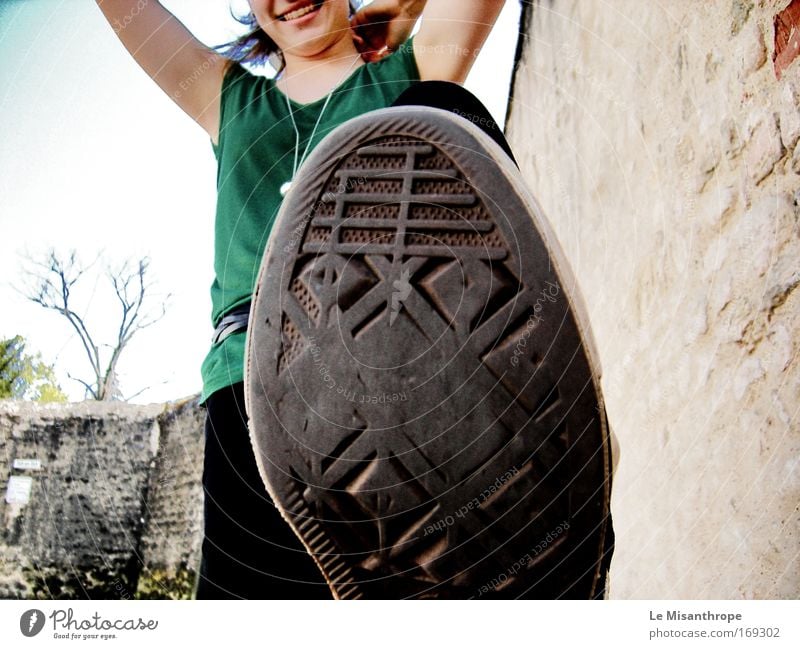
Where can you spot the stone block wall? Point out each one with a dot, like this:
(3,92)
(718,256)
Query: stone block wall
(100,500)
(172,540)
(662,142)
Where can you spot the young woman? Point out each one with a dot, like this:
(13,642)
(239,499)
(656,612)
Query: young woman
(335,63)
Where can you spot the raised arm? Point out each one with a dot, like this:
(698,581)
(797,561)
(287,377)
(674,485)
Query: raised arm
(449,39)
(188,71)
(451,35)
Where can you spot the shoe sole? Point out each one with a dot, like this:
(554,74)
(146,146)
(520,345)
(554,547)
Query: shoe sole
(423,391)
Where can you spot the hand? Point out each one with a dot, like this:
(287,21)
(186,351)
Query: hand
(383,26)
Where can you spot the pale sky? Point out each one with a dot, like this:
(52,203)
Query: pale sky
(95,157)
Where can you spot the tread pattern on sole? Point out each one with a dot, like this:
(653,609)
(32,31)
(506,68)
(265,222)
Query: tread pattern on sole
(494,488)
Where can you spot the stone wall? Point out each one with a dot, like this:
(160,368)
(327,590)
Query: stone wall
(662,142)
(101,500)
(171,541)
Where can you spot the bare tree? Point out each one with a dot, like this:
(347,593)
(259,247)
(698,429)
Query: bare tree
(50,282)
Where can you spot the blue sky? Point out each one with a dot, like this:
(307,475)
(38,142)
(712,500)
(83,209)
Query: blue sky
(94,157)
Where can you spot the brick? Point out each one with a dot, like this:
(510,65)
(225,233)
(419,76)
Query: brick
(786,25)
(746,375)
(740,12)
(764,149)
(731,138)
(752,51)
(790,115)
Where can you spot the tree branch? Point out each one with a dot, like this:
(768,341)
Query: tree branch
(89,389)
(50,286)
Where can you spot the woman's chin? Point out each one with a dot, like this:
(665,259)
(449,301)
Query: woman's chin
(317,39)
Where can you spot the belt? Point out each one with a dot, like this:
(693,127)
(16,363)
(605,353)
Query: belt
(232,322)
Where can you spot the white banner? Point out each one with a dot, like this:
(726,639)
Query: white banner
(404,625)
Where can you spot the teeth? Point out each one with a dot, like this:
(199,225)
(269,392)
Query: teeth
(299,13)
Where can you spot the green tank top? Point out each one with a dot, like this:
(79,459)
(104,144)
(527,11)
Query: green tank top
(255,156)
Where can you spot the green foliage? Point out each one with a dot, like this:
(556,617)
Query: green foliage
(26,376)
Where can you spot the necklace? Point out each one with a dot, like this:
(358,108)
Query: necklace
(285,187)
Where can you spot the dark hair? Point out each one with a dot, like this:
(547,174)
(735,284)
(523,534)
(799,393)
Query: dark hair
(255,46)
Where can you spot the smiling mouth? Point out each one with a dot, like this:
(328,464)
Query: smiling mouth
(302,11)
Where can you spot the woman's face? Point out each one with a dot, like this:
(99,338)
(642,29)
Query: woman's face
(303,27)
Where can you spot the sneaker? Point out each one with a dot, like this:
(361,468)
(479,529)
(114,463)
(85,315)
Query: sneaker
(423,390)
